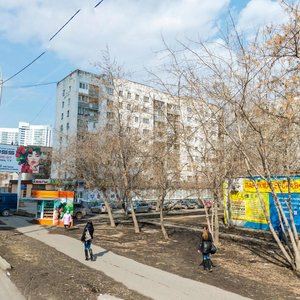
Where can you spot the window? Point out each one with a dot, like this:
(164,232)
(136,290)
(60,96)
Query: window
(146,121)
(121,93)
(146,99)
(137,97)
(128,106)
(146,131)
(62,116)
(146,109)
(128,129)
(109,115)
(189,110)
(189,119)
(136,119)
(61,127)
(83,86)
(128,95)
(69,100)
(68,113)
(63,93)
(63,104)
(109,91)
(109,103)
(80,110)
(109,127)
(68,126)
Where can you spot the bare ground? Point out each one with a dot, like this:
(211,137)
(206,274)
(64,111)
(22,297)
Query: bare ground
(250,269)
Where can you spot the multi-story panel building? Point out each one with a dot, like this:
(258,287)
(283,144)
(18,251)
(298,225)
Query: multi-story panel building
(35,135)
(9,136)
(26,134)
(87,102)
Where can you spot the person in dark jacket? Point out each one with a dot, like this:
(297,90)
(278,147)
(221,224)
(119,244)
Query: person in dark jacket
(86,238)
(205,248)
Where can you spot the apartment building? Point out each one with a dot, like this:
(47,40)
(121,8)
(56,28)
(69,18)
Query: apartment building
(26,134)
(87,102)
(9,136)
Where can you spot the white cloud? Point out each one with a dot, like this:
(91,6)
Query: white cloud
(258,13)
(131,28)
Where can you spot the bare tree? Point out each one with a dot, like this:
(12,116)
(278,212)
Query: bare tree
(256,86)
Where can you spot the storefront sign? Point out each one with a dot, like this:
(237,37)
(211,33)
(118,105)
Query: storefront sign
(41,181)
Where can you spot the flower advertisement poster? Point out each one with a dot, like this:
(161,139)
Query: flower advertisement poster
(28,158)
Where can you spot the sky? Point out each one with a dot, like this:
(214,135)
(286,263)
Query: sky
(132,30)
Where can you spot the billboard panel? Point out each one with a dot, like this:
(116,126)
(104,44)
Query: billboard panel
(8,162)
(28,158)
(244,208)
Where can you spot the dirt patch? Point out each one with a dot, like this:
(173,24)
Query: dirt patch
(251,270)
(41,272)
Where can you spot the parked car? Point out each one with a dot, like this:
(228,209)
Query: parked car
(140,207)
(8,203)
(153,205)
(196,203)
(99,208)
(176,205)
(186,204)
(79,211)
(167,205)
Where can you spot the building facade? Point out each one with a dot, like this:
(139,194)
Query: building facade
(26,134)
(87,102)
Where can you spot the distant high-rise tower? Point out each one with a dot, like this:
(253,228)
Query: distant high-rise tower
(26,134)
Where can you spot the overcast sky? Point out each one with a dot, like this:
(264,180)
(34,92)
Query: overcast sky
(131,29)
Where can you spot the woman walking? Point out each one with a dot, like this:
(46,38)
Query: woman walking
(86,238)
(67,220)
(205,248)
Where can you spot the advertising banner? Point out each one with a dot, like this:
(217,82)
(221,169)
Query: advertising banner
(244,208)
(28,158)
(8,162)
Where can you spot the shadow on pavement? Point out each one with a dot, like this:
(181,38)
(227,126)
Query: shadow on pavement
(99,254)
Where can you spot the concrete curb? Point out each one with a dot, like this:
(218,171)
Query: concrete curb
(4,265)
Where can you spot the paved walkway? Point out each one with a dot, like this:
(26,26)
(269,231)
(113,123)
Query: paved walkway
(146,280)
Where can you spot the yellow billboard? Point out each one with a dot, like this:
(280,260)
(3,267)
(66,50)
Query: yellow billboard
(247,207)
(280,186)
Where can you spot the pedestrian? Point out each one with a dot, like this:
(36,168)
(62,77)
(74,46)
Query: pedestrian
(67,219)
(86,238)
(205,245)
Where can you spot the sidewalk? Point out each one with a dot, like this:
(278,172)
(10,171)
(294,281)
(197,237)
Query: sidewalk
(146,280)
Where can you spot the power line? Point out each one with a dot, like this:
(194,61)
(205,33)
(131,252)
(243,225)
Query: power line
(53,36)
(30,85)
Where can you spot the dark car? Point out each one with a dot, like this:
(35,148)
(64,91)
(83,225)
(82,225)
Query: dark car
(140,207)
(186,204)
(79,211)
(8,203)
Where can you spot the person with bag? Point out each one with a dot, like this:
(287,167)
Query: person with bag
(86,238)
(205,247)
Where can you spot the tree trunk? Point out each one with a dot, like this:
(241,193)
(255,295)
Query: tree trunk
(110,215)
(216,221)
(133,215)
(162,225)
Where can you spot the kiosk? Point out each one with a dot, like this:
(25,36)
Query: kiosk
(52,205)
